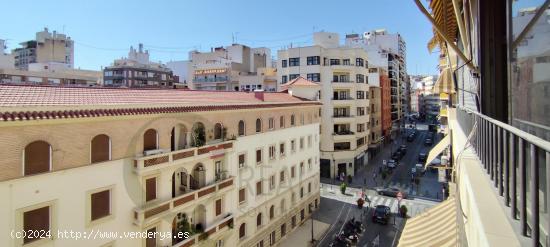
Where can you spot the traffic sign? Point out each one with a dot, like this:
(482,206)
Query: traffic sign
(399,196)
(384,162)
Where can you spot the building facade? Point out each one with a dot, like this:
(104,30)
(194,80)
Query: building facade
(6,60)
(46,47)
(221,68)
(342,73)
(388,51)
(138,71)
(230,169)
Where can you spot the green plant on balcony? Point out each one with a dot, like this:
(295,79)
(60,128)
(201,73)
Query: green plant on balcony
(403,211)
(198,137)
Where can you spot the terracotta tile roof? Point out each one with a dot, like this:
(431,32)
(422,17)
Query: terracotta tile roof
(298,81)
(18,102)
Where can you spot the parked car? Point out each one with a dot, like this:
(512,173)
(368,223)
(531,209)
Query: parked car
(428,142)
(403,149)
(397,155)
(422,157)
(390,191)
(391,164)
(410,138)
(381,214)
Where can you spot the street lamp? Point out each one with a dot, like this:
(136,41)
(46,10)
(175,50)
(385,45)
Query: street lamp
(311,216)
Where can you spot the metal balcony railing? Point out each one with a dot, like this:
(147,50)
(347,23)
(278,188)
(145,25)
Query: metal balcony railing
(512,158)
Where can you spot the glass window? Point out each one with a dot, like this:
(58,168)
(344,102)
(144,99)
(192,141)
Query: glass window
(294,61)
(316,77)
(313,60)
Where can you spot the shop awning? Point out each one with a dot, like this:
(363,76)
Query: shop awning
(441,145)
(435,227)
(444,83)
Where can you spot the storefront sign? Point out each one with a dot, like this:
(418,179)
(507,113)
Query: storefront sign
(210,71)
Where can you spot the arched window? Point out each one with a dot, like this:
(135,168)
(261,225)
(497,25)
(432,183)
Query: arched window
(242,230)
(292,120)
(241,128)
(258,125)
(271,212)
(259,220)
(282,122)
(38,158)
(150,140)
(101,148)
(218,131)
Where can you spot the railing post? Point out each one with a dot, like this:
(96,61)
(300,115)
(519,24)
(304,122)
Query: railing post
(506,164)
(535,228)
(486,146)
(514,197)
(547,196)
(523,188)
(493,154)
(500,162)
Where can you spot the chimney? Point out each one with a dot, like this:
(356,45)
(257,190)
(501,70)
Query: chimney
(259,95)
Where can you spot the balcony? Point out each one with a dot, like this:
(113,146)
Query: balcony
(343,132)
(219,226)
(143,164)
(150,212)
(343,116)
(503,159)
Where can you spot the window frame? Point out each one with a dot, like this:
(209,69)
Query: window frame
(89,221)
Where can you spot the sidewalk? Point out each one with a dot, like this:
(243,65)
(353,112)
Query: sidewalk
(302,235)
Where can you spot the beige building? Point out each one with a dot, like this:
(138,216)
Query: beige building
(229,168)
(264,79)
(376,135)
(342,73)
(221,68)
(6,60)
(46,47)
(51,74)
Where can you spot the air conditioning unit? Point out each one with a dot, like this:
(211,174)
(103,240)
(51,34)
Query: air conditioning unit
(153,152)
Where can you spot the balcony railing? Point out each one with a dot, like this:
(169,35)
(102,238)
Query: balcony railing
(343,98)
(218,226)
(512,158)
(145,163)
(144,215)
(349,81)
(342,116)
(343,132)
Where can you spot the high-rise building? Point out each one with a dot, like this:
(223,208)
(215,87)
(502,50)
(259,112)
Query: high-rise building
(221,68)
(45,48)
(388,51)
(342,73)
(177,167)
(138,71)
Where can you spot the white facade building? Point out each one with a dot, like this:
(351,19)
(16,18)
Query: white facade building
(342,73)
(388,51)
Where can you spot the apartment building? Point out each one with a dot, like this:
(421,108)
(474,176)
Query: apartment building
(229,168)
(221,68)
(46,47)
(388,51)
(138,71)
(43,74)
(264,79)
(6,60)
(342,73)
(499,170)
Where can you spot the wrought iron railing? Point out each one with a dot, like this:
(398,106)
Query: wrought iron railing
(512,158)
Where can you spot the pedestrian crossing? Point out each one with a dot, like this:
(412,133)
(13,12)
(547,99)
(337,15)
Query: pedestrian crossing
(414,207)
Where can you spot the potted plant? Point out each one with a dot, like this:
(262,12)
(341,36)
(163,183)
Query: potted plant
(403,211)
(343,187)
(350,178)
(360,202)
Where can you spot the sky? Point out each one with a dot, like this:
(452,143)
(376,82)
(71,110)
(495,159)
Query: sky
(104,30)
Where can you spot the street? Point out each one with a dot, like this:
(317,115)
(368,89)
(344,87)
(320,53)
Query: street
(336,208)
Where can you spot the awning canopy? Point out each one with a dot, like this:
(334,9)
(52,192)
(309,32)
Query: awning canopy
(444,83)
(435,227)
(441,145)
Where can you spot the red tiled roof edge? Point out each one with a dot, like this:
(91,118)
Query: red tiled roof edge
(43,115)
